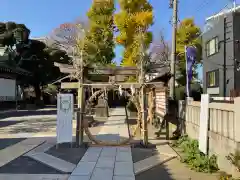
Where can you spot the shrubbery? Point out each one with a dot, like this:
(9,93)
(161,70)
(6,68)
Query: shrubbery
(192,156)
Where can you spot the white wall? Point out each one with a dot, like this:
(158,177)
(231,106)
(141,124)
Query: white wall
(7,89)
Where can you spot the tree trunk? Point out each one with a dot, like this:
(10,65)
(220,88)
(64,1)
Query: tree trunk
(38,95)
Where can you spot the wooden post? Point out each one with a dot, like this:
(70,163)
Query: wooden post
(106,101)
(143,99)
(81,115)
(81,102)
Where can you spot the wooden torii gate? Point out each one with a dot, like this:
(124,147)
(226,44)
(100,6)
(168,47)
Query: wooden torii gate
(113,73)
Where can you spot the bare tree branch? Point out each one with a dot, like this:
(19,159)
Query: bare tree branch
(160,53)
(68,35)
(70,38)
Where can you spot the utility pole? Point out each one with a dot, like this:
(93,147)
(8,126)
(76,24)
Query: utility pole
(174,6)
(224,60)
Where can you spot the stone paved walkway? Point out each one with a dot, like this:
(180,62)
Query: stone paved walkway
(33,177)
(108,163)
(115,128)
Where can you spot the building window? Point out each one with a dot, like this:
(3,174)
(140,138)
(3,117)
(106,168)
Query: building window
(212,46)
(213,78)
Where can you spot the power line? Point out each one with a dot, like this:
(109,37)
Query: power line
(203,4)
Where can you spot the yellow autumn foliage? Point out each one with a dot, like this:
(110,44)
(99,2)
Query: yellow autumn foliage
(143,19)
(188,35)
(134,19)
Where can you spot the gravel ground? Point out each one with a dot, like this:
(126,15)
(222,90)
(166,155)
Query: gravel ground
(26,165)
(66,152)
(4,143)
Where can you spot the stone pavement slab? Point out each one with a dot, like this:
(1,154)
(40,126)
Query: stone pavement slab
(84,169)
(91,155)
(53,162)
(33,177)
(102,174)
(109,152)
(41,148)
(107,166)
(115,128)
(123,169)
(106,163)
(16,150)
(150,162)
(123,178)
(124,157)
(79,178)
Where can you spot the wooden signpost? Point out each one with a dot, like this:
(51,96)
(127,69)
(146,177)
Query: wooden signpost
(69,85)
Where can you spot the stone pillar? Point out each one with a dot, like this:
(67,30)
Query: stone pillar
(101,108)
(181,116)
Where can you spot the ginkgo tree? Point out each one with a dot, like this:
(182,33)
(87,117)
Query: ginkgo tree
(188,34)
(132,22)
(101,32)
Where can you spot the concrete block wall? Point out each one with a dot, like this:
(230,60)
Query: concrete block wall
(224,124)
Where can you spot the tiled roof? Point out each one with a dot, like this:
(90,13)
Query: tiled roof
(16,70)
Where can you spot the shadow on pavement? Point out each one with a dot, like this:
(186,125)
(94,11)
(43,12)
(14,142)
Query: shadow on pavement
(9,123)
(22,113)
(156,173)
(110,137)
(26,165)
(69,152)
(6,142)
(140,153)
(29,126)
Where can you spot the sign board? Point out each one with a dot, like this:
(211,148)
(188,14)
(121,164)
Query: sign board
(7,89)
(204,121)
(161,102)
(70,85)
(64,117)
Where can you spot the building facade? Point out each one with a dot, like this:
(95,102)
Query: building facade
(10,77)
(221,54)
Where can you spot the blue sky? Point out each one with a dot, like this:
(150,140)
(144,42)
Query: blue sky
(42,16)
